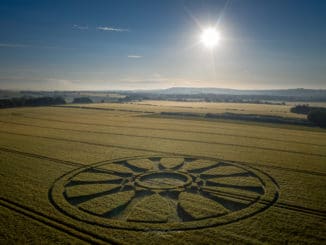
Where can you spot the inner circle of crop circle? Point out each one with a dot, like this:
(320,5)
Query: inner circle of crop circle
(156,180)
(163,193)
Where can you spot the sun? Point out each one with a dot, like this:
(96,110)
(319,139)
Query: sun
(210,37)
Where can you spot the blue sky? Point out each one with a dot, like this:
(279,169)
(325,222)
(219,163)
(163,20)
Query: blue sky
(138,44)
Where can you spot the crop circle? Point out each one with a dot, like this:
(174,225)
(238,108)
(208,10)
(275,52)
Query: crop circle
(163,180)
(163,193)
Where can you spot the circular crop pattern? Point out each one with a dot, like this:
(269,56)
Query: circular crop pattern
(163,193)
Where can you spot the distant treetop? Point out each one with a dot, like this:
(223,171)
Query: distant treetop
(80,100)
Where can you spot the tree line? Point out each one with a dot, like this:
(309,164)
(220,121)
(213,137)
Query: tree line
(24,101)
(316,115)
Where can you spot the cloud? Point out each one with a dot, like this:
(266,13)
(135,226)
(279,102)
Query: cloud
(78,27)
(101,28)
(135,56)
(13,45)
(108,28)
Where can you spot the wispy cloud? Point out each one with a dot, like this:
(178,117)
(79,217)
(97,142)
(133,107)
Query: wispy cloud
(78,27)
(109,28)
(13,45)
(101,28)
(135,56)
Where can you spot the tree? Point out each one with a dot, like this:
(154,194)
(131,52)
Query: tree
(39,101)
(318,117)
(301,109)
(84,100)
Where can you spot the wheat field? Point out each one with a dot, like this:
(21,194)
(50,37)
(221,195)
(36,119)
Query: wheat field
(74,175)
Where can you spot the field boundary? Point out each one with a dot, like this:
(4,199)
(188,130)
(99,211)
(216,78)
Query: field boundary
(55,223)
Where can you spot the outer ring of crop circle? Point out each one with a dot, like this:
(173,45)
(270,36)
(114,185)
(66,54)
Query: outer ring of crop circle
(56,196)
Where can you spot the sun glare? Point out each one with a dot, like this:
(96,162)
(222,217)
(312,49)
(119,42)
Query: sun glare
(210,37)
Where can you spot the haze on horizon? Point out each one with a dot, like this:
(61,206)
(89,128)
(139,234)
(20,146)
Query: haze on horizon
(94,45)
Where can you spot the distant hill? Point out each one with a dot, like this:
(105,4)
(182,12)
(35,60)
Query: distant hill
(180,94)
(206,90)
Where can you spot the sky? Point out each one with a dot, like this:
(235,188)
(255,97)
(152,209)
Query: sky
(152,44)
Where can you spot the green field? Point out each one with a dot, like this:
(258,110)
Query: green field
(73,175)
